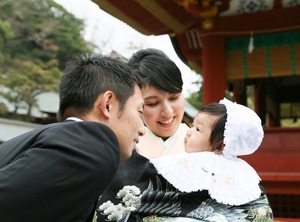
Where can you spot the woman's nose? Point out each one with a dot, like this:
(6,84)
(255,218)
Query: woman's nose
(167,108)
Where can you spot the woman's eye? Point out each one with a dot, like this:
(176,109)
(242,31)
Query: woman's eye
(174,98)
(151,104)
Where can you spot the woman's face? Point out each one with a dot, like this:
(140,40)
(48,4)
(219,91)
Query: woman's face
(163,111)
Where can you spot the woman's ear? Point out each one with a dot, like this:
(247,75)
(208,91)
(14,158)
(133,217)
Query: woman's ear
(105,103)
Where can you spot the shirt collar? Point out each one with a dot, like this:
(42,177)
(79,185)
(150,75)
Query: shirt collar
(75,119)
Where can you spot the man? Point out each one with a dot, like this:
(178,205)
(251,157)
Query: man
(57,172)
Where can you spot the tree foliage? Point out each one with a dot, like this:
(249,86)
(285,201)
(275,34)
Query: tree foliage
(36,77)
(196,98)
(36,40)
(42,30)
(5,33)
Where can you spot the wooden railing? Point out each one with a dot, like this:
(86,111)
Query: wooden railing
(277,161)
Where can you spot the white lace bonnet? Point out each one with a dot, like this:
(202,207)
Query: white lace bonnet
(243,130)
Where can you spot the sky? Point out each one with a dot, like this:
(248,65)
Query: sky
(109,33)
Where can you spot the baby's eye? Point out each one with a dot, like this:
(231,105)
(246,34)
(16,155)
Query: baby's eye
(197,129)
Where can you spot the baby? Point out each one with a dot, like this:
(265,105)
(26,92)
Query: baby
(221,132)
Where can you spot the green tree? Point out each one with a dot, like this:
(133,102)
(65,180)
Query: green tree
(196,98)
(43,30)
(24,86)
(5,34)
(36,40)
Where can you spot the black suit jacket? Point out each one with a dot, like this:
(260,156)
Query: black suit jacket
(56,172)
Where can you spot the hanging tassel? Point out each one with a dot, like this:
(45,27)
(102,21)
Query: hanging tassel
(251,43)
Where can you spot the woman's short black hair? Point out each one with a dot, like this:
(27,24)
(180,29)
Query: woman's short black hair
(158,69)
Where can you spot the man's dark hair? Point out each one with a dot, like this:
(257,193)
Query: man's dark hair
(87,76)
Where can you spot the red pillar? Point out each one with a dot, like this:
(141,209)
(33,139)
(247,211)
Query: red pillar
(240,92)
(239,97)
(213,65)
(260,107)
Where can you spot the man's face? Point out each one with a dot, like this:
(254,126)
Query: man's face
(129,126)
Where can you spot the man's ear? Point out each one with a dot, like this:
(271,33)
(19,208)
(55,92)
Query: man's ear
(105,103)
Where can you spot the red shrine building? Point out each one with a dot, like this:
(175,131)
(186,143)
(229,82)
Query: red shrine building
(251,50)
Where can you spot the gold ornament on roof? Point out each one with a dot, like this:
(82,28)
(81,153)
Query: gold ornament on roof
(205,9)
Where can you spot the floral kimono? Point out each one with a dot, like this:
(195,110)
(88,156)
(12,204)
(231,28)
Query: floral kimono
(140,194)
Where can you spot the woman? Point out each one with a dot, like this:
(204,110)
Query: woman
(164,103)
(163,114)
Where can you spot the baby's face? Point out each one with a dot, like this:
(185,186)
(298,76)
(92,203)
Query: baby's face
(197,138)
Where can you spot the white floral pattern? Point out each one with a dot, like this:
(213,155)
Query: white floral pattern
(131,198)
